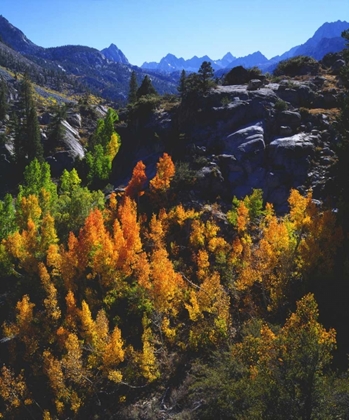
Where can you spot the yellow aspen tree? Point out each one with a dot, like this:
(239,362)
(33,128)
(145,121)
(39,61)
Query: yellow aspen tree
(208,308)
(53,311)
(128,255)
(157,231)
(167,286)
(113,146)
(13,390)
(160,184)
(104,261)
(72,360)
(203,265)
(14,247)
(317,234)
(89,238)
(147,359)
(29,208)
(54,259)
(243,218)
(272,261)
(242,257)
(164,174)
(100,337)
(54,372)
(102,329)
(24,321)
(72,314)
(22,248)
(69,263)
(88,325)
(197,234)
(143,271)
(46,415)
(113,355)
(48,233)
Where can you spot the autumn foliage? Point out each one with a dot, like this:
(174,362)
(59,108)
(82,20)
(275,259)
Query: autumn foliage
(101,309)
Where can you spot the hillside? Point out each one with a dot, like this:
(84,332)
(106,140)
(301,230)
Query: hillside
(83,67)
(181,258)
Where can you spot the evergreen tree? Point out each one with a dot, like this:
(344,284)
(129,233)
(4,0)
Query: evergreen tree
(27,136)
(33,142)
(182,84)
(132,96)
(17,140)
(206,74)
(146,88)
(3,99)
(55,128)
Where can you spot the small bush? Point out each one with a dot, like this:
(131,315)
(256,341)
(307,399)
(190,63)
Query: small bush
(239,75)
(281,105)
(184,178)
(297,66)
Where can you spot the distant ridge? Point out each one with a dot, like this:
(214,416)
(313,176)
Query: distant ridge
(16,39)
(325,39)
(106,74)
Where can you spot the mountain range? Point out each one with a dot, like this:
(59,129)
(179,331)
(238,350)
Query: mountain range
(106,73)
(326,39)
(76,68)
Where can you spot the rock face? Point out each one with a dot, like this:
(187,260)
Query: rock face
(238,139)
(70,147)
(292,155)
(246,141)
(71,141)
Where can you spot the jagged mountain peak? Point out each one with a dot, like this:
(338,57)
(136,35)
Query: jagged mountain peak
(326,39)
(228,56)
(330,30)
(169,55)
(113,53)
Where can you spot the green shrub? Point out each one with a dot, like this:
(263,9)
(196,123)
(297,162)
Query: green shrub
(281,105)
(297,66)
(254,203)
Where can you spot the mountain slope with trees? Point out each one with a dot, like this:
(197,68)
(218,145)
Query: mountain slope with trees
(210,282)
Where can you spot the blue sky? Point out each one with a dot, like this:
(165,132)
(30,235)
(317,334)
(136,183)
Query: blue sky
(146,30)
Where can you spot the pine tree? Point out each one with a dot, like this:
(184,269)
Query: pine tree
(3,99)
(146,88)
(33,142)
(206,74)
(132,96)
(27,138)
(182,88)
(55,128)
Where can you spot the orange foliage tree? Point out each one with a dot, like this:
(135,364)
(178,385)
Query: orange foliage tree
(135,187)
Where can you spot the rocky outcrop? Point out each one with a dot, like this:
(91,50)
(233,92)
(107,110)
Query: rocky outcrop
(238,139)
(292,155)
(69,149)
(71,141)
